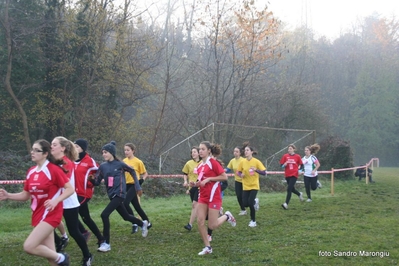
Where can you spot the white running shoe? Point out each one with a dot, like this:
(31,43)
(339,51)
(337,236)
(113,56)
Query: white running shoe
(319,184)
(243,212)
(300,196)
(256,206)
(206,250)
(104,247)
(309,200)
(285,206)
(252,224)
(230,218)
(144,229)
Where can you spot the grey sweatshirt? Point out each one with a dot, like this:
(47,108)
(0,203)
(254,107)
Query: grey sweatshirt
(113,174)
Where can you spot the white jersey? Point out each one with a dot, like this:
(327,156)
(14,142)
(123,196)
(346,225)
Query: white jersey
(72,201)
(309,164)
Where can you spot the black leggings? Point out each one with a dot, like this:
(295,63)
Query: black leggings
(131,197)
(248,200)
(238,188)
(193,194)
(85,215)
(291,180)
(310,183)
(116,203)
(71,217)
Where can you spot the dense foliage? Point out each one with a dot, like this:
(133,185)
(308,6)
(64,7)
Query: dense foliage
(97,70)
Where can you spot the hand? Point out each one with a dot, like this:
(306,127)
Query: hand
(90,177)
(203,182)
(185,184)
(3,194)
(139,193)
(50,205)
(187,191)
(193,184)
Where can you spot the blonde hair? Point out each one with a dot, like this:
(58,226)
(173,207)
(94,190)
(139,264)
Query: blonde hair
(70,150)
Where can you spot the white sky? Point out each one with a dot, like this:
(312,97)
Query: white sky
(326,17)
(330,18)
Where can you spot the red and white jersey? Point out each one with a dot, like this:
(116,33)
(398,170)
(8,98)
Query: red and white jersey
(85,167)
(211,191)
(294,161)
(45,184)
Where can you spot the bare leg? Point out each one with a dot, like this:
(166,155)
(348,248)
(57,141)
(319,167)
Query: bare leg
(214,221)
(193,212)
(61,228)
(40,242)
(202,212)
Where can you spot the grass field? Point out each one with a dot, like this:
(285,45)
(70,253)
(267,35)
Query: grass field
(331,230)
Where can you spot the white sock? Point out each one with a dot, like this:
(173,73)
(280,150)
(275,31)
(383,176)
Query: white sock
(61,258)
(65,235)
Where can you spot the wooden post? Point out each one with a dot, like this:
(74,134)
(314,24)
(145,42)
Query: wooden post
(367,174)
(332,181)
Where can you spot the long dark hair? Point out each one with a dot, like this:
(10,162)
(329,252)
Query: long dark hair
(46,147)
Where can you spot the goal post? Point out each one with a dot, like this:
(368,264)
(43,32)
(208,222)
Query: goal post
(269,143)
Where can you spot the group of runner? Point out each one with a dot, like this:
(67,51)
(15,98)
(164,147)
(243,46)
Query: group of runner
(61,185)
(203,175)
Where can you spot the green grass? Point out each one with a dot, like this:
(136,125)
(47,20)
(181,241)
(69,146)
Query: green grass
(358,217)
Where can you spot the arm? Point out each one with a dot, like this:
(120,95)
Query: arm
(131,171)
(228,170)
(261,172)
(50,204)
(21,196)
(317,163)
(96,179)
(185,177)
(221,177)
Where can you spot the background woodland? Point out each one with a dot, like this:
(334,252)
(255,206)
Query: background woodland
(106,71)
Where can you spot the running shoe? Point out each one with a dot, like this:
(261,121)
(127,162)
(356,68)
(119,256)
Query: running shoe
(206,250)
(62,245)
(188,227)
(300,196)
(230,218)
(104,247)
(66,261)
(135,228)
(144,228)
(252,224)
(87,261)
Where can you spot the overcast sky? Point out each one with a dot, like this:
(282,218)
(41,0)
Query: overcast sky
(325,17)
(330,18)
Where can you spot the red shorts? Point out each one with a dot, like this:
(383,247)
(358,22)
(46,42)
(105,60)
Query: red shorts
(215,204)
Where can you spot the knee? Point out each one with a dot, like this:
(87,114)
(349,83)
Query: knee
(212,225)
(28,248)
(200,221)
(104,216)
